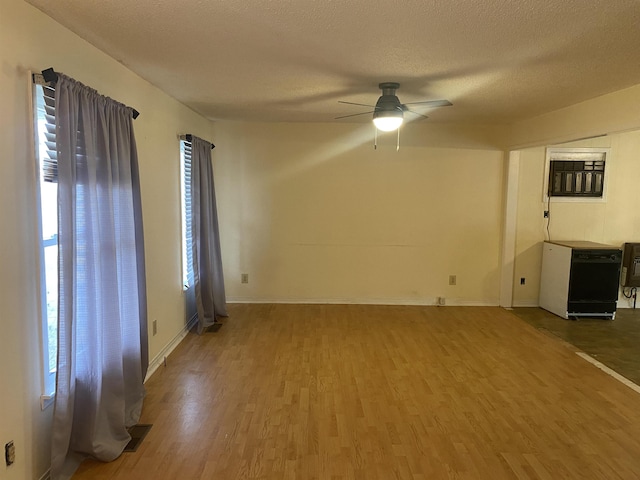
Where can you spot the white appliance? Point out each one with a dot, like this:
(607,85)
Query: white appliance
(580,279)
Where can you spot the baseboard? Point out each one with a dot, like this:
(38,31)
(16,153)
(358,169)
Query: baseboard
(622,304)
(424,302)
(160,358)
(525,305)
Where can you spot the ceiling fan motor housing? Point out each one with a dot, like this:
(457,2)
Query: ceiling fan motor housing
(388,105)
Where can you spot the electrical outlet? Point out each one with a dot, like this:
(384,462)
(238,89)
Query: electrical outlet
(452,279)
(154,327)
(522,281)
(546,214)
(244,278)
(9,453)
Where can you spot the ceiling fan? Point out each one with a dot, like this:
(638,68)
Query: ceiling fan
(388,112)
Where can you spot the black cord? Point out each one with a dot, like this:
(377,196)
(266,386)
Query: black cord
(548,216)
(633,293)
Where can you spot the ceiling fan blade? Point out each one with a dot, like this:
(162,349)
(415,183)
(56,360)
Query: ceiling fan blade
(360,104)
(432,103)
(416,113)
(354,115)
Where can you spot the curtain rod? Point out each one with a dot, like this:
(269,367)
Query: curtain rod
(189,138)
(50,76)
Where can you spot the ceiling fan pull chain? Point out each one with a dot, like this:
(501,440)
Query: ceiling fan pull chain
(398,142)
(375,138)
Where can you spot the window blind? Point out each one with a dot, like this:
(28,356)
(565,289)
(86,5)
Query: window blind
(187,213)
(50,159)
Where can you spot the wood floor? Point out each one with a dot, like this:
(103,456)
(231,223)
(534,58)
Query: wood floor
(373,392)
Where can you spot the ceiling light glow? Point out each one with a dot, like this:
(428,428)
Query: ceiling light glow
(387,124)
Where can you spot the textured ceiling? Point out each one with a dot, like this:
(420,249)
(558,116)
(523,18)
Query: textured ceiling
(292,60)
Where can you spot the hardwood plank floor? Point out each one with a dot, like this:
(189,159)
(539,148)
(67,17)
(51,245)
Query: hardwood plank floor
(357,392)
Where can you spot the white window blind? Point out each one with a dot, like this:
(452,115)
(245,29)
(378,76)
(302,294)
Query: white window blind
(50,158)
(187,213)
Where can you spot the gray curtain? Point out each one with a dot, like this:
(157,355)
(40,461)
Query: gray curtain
(102,326)
(207,259)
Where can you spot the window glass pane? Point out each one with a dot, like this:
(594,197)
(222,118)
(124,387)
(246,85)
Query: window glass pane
(49,206)
(598,187)
(51,281)
(568,187)
(588,181)
(48,211)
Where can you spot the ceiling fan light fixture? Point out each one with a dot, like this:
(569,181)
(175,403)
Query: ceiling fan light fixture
(388,121)
(388,113)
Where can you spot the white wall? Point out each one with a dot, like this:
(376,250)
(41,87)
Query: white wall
(31,41)
(615,115)
(612,222)
(616,112)
(313,213)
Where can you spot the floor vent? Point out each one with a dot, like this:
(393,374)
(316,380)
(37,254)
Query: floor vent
(213,328)
(137,432)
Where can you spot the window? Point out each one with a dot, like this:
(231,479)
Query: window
(576,174)
(44,115)
(187,232)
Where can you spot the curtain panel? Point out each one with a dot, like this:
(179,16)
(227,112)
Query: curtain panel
(102,318)
(207,257)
